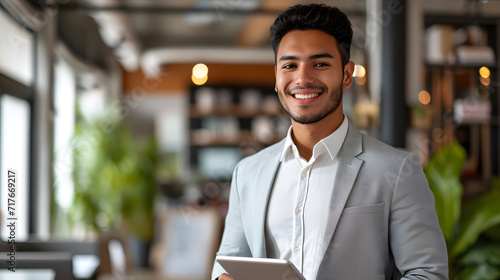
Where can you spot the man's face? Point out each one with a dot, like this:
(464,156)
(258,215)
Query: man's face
(309,75)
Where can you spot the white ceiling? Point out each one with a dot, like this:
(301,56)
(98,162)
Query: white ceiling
(138,27)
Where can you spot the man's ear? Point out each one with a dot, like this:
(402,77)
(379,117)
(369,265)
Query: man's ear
(348,71)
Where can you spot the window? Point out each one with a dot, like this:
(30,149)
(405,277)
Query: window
(16,96)
(64,123)
(16,50)
(14,151)
(74,83)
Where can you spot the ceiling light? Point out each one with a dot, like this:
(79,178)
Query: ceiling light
(200,70)
(199,81)
(359,71)
(424,97)
(484,72)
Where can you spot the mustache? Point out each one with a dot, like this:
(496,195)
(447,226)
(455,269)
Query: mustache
(289,90)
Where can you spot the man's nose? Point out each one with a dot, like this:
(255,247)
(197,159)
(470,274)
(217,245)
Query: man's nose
(304,76)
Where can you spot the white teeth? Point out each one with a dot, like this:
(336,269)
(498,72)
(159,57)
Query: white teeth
(306,96)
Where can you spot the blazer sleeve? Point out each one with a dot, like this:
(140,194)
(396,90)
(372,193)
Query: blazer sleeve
(416,240)
(234,242)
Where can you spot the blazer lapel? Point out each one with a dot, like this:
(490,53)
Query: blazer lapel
(348,168)
(265,178)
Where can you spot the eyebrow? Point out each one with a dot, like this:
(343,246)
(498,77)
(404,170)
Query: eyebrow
(314,56)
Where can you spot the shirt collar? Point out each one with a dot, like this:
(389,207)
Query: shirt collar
(332,143)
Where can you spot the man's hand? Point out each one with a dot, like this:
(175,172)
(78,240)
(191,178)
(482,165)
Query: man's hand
(225,276)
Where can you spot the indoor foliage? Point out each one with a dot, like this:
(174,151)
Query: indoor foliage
(471,228)
(114,177)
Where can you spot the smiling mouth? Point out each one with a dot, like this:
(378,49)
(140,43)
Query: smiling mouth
(308,93)
(305,96)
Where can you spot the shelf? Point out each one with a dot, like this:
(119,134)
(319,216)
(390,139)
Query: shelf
(460,66)
(494,121)
(431,19)
(202,137)
(235,110)
(449,82)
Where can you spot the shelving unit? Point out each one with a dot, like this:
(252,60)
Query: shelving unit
(450,82)
(228,123)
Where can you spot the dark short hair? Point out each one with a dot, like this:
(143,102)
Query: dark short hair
(314,16)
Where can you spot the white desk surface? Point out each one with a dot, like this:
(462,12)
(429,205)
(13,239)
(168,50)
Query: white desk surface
(28,274)
(84,266)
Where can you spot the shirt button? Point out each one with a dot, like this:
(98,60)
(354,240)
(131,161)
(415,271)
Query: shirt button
(296,249)
(298,210)
(304,174)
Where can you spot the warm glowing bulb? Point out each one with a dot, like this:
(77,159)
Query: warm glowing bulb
(485,81)
(484,72)
(424,97)
(200,70)
(359,71)
(360,80)
(199,81)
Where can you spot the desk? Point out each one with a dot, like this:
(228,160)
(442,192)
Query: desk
(28,274)
(59,262)
(85,266)
(137,275)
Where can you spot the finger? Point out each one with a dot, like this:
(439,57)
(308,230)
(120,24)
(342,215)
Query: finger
(225,276)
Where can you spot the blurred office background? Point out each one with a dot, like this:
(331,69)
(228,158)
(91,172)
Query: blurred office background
(122,121)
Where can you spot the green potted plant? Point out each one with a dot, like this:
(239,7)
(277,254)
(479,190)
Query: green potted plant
(471,229)
(114,177)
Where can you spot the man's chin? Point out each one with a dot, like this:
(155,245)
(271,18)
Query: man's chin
(307,120)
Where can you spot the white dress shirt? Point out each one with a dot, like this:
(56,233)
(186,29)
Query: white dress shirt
(299,202)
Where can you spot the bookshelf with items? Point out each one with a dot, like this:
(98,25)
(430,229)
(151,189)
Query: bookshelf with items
(228,123)
(462,74)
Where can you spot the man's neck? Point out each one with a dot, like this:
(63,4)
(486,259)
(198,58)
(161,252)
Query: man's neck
(305,136)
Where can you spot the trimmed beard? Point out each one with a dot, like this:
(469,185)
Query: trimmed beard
(329,108)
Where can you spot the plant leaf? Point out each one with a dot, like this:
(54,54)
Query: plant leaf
(493,233)
(443,173)
(487,253)
(478,215)
(480,272)
(114,176)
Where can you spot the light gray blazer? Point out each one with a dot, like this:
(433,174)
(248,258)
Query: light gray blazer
(382,223)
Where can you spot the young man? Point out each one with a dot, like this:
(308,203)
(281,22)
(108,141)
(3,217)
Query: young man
(335,202)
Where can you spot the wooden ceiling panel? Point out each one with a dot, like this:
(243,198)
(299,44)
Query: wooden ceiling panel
(255,33)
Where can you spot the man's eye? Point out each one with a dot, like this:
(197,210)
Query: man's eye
(288,66)
(322,64)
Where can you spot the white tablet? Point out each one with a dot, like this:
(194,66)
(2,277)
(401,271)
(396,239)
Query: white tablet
(242,268)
